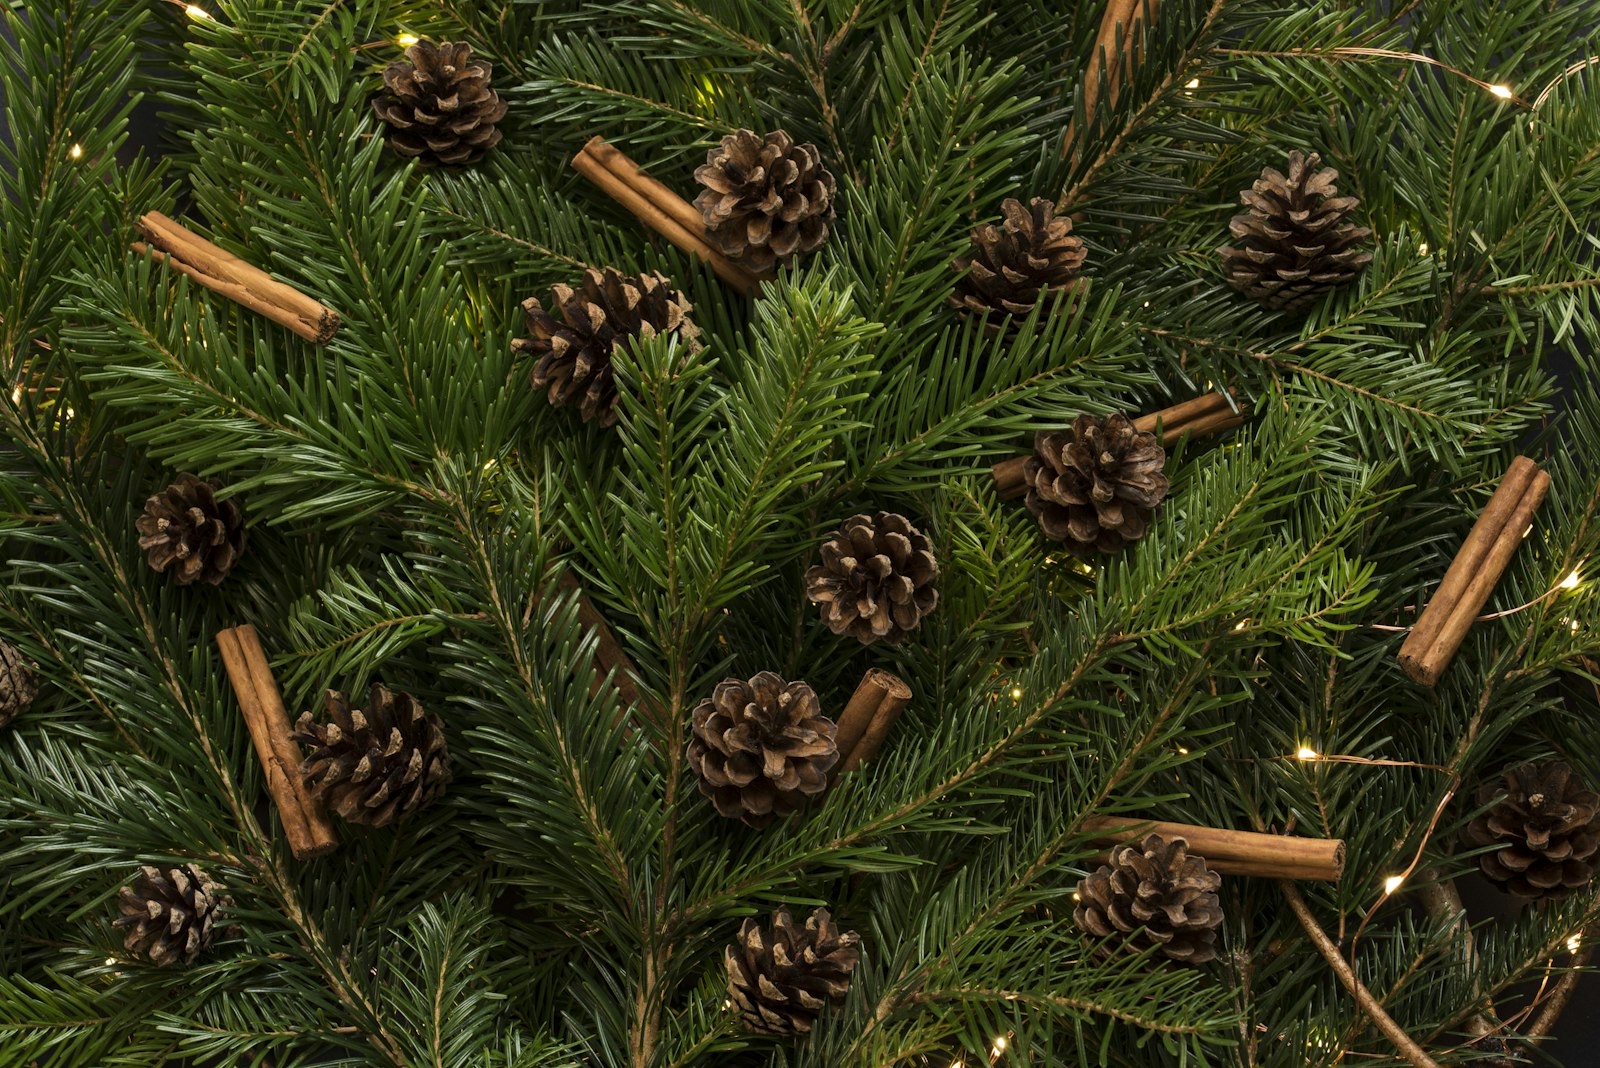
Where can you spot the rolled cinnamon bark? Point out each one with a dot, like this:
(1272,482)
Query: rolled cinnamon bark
(658,208)
(222,272)
(1208,413)
(1233,852)
(866,719)
(1474,573)
(305,825)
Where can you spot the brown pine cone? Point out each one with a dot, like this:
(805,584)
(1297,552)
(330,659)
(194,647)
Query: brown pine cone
(375,764)
(610,309)
(766,199)
(438,108)
(1295,242)
(169,913)
(18,683)
(761,747)
(1097,485)
(1031,255)
(1157,894)
(780,979)
(876,579)
(185,525)
(1546,832)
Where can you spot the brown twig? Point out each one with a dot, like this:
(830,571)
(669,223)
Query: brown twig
(1385,1023)
(1559,997)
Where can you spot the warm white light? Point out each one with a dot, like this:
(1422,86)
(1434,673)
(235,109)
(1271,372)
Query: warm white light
(406,40)
(16,395)
(76,151)
(1193,83)
(1182,751)
(1573,623)
(1016,693)
(1077,896)
(110,961)
(999,1047)
(1243,623)
(1422,249)
(1501,91)
(1305,752)
(1392,883)
(728,1004)
(1570,582)
(195,11)
(1574,942)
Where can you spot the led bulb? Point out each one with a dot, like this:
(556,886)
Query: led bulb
(76,151)
(998,1047)
(1501,91)
(1574,942)
(1392,883)
(1193,83)
(1570,582)
(406,40)
(195,11)
(1016,693)
(1422,249)
(1305,752)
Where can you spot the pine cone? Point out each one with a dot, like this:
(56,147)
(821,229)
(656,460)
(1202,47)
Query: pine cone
(1031,255)
(372,765)
(761,747)
(766,199)
(781,979)
(438,108)
(169,913)
(186,525)
(1097,485)
(574,351)
(18,684)
(1294,242)
(1546,830)
(1158,894)
(876,579)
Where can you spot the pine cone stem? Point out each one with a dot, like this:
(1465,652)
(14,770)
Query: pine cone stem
(1233,852)
(305,824)
(1474,573)
(659,208)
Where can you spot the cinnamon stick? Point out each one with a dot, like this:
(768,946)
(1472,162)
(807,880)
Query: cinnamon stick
(1474,573)
(305,825)
(1233,852)
(658,208)
(1115,54)
(222,272)
(1208,413)
(879,694)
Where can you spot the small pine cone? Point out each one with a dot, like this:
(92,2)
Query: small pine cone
(1096,486)
(438,108)
(1029,256)
(186,528)
(1546,830)
(18,683)
(761,747)
(780,979)
(766,199)
(1295,243)
(372,765)
(169,913)
(574,350)
(876,579)
(1157,894)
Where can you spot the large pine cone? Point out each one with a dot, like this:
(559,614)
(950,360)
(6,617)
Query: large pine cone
(1547,832)
(1157,894)
(1031,255)
(169,913)
(372,765)
(438,108)
(761,747)
(1294,241)
(610,309)
(18,684)
(876,579)
(185,525)
(766,199)
(1097,485)
(781,979)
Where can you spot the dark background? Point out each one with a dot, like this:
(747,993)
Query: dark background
(1576,1040)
